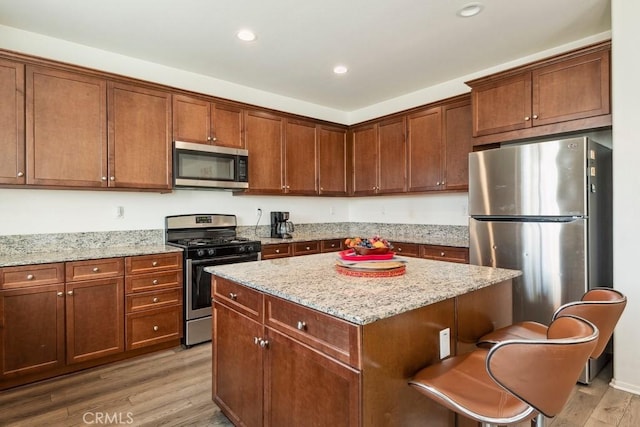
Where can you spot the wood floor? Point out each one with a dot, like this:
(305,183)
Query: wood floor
(173,388)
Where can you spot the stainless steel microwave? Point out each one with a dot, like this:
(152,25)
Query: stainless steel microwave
(209,166)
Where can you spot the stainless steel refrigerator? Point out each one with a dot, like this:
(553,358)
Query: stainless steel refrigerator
(544,208)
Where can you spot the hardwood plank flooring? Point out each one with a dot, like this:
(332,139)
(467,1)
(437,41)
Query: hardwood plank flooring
(173,388)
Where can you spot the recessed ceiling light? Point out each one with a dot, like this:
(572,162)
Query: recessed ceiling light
(340,69)
(471,9)
(246,35)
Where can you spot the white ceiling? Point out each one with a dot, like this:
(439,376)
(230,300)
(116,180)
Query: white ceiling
(392,47)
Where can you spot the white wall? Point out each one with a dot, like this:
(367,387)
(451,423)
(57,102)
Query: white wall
(626,182)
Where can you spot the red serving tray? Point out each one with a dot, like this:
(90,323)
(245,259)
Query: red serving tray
(351,255)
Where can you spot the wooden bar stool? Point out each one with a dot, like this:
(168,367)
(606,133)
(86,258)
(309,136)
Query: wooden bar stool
(600,306)
(514,380)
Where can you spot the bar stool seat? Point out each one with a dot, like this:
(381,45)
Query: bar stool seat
(600,306)
(515,380)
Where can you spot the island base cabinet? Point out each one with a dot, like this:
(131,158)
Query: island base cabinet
(305,387)
(237,366)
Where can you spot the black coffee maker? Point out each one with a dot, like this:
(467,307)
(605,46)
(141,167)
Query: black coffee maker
(281,227)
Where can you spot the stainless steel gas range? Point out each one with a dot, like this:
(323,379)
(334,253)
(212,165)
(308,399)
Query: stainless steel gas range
(207,240)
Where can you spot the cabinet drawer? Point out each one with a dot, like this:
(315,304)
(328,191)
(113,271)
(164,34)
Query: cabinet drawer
(406,249)
(151,327)
(306,248)
(94,269)
(332,245)
(332,336)
(279,250)
(445,253)
(243,299)
(31,275)
(155,262)
(153,281)
(152,300)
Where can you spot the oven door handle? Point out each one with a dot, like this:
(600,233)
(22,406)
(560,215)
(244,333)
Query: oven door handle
(222,260)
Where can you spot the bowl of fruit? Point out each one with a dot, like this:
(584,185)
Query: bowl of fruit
(371,246)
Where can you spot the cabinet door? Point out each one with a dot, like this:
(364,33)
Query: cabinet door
(237,366)
(95,319)
(300,157)
(263,133)
(365,160)
(12,166)
(66,128)
(425,149)
(572,89)
(191,119)
(304,387)
(458,143)
(139,137)
(332,161)
(392,156)
(32,332)
(502,105)
(227,125)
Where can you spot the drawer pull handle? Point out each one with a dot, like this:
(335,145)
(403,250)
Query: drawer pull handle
(302,326)
(155,299)
(233,296)
(69,292)
(441,253)
(60,294)
(277,251)
(155,328)
(96,269)
(30,276)
(399,249)
(308,248)
(155,281)
(154,263)
(264,343)
(256,340)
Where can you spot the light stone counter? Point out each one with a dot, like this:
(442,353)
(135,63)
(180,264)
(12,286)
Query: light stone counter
(313,282)
(78,254)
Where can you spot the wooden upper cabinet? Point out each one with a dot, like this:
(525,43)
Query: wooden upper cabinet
(332,161)
(365,160)
(12,160)
(66,128)
(139,137)
(568,92)
(207,122)
(458,143)
(425,149)
(263,139)
(392,156)
(300,157)
(502,105)
(571,89)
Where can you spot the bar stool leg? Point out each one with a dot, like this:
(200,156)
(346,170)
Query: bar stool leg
(539,421)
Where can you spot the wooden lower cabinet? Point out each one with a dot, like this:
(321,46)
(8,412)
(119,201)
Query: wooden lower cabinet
(278,250)
(445,253)
(306,387)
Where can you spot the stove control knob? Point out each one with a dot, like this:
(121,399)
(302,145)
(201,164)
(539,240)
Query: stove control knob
(200,252)
(211,252)
(242,248)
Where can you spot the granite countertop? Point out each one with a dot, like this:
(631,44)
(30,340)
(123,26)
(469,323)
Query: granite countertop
(313,282)
(78,254)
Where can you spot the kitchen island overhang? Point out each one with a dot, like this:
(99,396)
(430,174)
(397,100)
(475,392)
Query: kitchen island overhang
(348,344)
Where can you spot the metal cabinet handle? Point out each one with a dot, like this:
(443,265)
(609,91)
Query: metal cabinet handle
(96,269)
(60,294)
(301,325)
(20,174)
(441,253)
(399,249)
(264,343)
(104,178)
(308,248)
(69,292)
(535,116)
(256,340)
(154,264)
(233,296)
(277,251)
(215,139)
(155,328)
(30,276)
(527,118)
(209,138)
(155,299)
(113,178)
(155,281)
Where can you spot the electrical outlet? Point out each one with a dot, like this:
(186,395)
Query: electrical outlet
(445,349)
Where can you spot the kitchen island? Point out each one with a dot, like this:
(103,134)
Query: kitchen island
(297,343)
